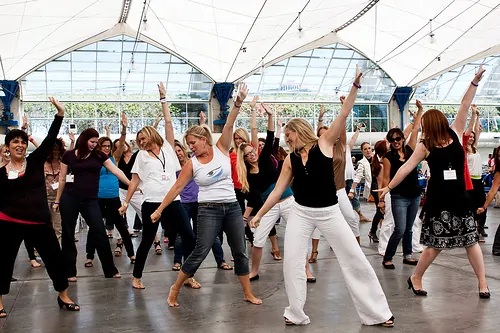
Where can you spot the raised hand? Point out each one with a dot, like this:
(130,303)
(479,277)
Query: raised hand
(268,110)
(254,101)
(413,114)
(60,108)
(321,110)
(418,104)
(357,79)
(479,75)
(124,120)
(474,109)
(242,93)
(342,99)
(25,122)
(162,90)
(71,136)
(203,118)
(360,126)
(106,127)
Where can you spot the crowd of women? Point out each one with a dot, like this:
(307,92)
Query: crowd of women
(243,191)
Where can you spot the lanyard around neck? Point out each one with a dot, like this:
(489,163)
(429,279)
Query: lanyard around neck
(162,155)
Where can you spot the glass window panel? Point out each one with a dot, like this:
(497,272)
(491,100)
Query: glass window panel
(151,110)
(59,76)
(178,109)
(316,72)
(107,76)
(275,70)
(150,77)
(108,110)
(298,62)
(321,63)
(339,53)
(340,63)
(58,66)
(158,58)
(181,68)
(38,75)
(295,71)
(82,56)
(193,110)
(109,57)
(139,58)
(84,76)
(379,125)
(323,53)
(305,54)
(361,111)
(162,68)
(152,48)
(135,124)
(179,78)
(109,46)
(83,67)
(336,72)
(109,67)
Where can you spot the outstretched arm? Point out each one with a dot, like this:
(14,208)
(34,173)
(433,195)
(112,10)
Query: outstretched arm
(416,126)
(491,194)
(354,138)
(459,123)
(320,118)
(254,132)
(327,140)
(169,128)
(478,128)
(224,142)
(121,143)
(203,118)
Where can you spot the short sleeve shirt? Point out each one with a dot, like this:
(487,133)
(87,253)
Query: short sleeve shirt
(86,173)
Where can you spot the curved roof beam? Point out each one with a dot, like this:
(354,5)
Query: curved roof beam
(125,10)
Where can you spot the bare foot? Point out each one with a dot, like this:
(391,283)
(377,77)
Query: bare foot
(72,279)
(192,283)
(34,264)
(137,284)
(67,300)
(252,299)
(117,276)
(172,297)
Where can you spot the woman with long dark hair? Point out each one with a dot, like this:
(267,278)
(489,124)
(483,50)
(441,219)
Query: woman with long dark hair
(78,194)
(109,203)
(309,166)
(380,149)
(448,215)
(405,198)
(23,185)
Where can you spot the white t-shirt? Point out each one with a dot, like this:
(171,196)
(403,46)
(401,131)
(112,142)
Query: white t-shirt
(157,174)
(214,179)
(349,168)
(474,162)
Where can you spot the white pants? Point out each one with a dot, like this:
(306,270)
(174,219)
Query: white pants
(359,276)
(347,211)
(280,210)
(135,206)
(388,227)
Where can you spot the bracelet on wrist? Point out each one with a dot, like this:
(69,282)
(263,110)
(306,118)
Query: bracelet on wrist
(390,188)
(320,120)
(236,105)
(163,100)
(124,133)
(381,200)
(356,85)
(56,203)
(245,218)
(351,191)
(475,85)
(24,128)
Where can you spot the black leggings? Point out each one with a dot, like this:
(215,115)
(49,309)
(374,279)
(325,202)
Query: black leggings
(240,197)
(43,237)
(109,211)
(378,214)
(174,213)
(71,205)
(30,248)
(478,198)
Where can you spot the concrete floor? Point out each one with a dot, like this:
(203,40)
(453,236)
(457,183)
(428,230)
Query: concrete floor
(110,305)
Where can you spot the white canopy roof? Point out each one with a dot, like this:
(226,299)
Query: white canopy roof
(229,39)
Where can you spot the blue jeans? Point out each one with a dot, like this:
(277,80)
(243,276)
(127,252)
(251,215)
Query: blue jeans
(212,217)
(354,201)
(191,209)
(404,211)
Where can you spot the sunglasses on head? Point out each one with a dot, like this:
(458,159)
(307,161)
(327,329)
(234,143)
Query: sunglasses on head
(397,139)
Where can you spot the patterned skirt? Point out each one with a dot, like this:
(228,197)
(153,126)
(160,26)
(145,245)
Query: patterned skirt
(447,230)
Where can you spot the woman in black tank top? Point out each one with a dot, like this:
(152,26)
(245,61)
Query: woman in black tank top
(448,216)
(310,167)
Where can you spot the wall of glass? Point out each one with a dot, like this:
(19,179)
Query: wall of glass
(374,116)
(488,115)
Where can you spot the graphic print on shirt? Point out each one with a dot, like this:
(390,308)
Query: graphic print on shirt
(216,173)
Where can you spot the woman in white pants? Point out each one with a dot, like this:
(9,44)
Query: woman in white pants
(310,166)
(258,176)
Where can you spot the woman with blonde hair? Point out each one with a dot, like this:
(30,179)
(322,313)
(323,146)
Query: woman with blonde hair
(155,168)
(448,210)
(309,166)
(210,168)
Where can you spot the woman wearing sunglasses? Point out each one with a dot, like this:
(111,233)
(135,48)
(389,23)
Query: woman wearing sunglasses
(405,198)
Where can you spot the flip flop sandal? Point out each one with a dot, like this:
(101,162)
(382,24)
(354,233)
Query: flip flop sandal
(89,264)
(225,267)
(176,267)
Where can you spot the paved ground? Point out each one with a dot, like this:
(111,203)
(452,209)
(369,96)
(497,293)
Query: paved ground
(110,305)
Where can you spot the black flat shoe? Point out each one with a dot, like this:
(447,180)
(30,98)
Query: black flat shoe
(255,277)
(311,280)
(496,253)
(388,266)
(411,262)
(485,294)
(68,306)
(419,292)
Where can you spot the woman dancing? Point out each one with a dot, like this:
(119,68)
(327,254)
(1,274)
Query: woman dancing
(448,216)
(218,208)
(309,166)
(23,185)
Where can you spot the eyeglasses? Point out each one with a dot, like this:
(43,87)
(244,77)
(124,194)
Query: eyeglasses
(106,146)
(397,139)
(253,151)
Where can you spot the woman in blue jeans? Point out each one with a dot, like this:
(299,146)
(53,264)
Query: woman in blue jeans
(405,198)
(210,167)
(189,201)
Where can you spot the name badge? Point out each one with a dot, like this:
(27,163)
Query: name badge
(70,178)
(164,177)
(13,175)
(55,186)
(450,175)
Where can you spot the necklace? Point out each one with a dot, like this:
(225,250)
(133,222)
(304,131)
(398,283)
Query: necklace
(20,170)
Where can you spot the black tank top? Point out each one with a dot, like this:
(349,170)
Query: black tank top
(313,184)
(127,168)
